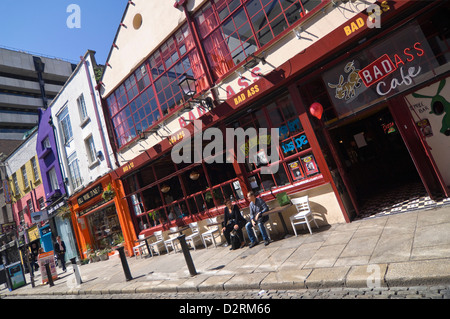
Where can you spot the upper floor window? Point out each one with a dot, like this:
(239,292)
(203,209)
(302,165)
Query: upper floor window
(66,127)
(35,169)
(231,30)
(82,108)
(74,170)
(53,180)
(26,183)
(16,184)
(152,91)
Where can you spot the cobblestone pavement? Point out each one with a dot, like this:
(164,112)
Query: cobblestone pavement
(418,292)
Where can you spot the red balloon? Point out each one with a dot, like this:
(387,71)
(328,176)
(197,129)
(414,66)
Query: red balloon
(316,109)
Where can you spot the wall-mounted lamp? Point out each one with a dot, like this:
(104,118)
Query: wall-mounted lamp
(187,85)
(194,175)
(298,32)
(165,188)
(252,61)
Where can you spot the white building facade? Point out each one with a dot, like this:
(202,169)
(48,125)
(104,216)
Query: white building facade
(83,147)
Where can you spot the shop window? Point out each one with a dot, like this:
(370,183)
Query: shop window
(105,228)
(437,32)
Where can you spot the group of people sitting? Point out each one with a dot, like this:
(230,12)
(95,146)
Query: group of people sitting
(234,222)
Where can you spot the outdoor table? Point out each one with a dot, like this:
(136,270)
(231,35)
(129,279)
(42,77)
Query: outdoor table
(280,210)
(180,230)
(145,241)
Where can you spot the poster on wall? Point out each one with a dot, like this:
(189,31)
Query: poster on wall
(309,165)
(47,258)
(425,128)
(296,170)
(430,109)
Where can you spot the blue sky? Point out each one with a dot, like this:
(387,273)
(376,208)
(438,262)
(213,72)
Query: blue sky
(40,26)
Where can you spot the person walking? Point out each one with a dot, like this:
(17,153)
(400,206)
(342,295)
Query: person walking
(257,207)
(233,222)
(60,249)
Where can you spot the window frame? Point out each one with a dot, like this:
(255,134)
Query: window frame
(75,175)
(65,125)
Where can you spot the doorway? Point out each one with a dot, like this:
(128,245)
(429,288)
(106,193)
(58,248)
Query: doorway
(376,161)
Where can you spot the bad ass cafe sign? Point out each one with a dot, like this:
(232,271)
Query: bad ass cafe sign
(388,67)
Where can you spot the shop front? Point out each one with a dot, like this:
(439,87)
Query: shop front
(98,219)
(163,192)
(343,128)
(377,132)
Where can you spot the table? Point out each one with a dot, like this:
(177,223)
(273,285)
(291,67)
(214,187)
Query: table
(180,230)
(280,210)
(146,243)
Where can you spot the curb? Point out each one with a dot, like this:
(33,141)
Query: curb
(416,273)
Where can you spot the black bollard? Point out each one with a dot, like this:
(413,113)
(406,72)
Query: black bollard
(125,267)
(187,255)
(49,275)
(76,270)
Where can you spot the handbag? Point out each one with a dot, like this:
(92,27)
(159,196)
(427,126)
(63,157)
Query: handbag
(235,242)
(283,199)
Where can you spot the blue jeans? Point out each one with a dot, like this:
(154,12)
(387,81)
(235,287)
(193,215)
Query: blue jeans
(251,233)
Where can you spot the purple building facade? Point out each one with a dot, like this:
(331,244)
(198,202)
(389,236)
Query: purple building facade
(47,152)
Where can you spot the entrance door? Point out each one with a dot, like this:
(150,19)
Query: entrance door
(419,149)
(373,154)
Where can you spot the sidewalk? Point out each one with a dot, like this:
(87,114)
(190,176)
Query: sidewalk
(408,249)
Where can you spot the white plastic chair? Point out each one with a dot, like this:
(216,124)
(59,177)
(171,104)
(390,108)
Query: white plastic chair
(171,242)
(140,248)
(209,235)
(304,215)
(158,243)
(190,240)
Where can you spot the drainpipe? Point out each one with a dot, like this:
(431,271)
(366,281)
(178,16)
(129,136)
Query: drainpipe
(94,100)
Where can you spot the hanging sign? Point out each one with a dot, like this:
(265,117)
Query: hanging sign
(94,192)
(388,67)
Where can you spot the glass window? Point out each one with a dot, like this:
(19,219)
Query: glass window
(74,170)
(53,180)
(90,148)
(16,184)
(82,108)
(35,169)
(66,127)
(26,184)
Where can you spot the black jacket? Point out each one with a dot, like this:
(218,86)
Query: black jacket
(234,216)
(58,249)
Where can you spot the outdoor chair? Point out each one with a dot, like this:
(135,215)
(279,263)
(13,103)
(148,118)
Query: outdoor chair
(140,248)
(212,230)
(190,240)
(158,243)
(172,241)
(304,214)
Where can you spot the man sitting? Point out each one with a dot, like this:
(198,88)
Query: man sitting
(257,207)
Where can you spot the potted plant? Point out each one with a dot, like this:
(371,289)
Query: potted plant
(103,254)
(64,212)
(109,193)
(94,256)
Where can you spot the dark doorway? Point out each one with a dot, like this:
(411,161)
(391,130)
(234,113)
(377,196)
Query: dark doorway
(375,157)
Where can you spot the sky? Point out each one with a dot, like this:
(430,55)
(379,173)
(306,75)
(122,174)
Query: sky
(54,27)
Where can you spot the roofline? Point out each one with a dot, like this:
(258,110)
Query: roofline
(115,37)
